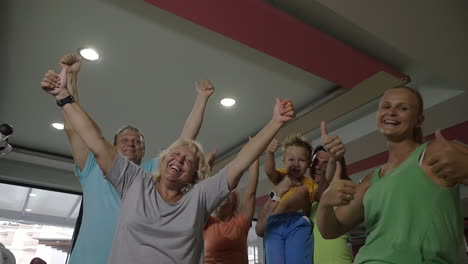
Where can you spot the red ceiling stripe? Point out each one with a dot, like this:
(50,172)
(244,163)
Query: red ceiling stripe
(458,132)
(259,25)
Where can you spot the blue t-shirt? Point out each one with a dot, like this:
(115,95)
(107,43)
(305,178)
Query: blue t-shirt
(150,166)
(101,204)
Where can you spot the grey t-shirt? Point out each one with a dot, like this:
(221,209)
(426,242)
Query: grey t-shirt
(150,230)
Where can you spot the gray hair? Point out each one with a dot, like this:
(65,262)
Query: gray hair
(129,127)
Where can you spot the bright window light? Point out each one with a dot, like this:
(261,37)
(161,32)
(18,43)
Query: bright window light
(28,210)
(89,54)
(58,126)
(32,194)
(228,102)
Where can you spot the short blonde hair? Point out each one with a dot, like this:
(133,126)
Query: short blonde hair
(297,140)
(203,169)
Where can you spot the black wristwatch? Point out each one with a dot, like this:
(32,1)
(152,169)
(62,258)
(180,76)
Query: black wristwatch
(273,196)
(66,100)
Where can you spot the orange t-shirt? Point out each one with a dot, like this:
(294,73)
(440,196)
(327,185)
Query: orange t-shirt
(226,242)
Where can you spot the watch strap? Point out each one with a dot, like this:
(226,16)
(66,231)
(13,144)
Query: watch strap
(66,100)
(273,196)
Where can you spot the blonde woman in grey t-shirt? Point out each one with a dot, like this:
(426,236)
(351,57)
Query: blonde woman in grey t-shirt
(161,219)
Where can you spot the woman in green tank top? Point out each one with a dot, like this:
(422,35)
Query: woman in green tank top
(411,205)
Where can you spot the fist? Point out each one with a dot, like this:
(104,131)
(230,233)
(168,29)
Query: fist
(447,160)
(51,83)
(331,143)
(71,63)
(339,192)
(283,111)
(286,184)
(273,146)
(204,88)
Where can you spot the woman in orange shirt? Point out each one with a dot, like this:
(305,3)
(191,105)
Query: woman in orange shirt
(226,231)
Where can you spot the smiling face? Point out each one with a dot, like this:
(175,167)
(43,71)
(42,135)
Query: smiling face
(130,144)
(399,116)
(319,164)
(296,160)
(179,167)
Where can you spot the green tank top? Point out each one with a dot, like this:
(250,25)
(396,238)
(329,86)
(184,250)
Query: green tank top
(409,218)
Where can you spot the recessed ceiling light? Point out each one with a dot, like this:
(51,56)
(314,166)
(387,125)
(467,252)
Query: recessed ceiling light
(228,102)
(32,194)
(28,210)
(89,54)
(58,126)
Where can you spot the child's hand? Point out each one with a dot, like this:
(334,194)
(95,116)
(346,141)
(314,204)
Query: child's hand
(273,146)
(285,184)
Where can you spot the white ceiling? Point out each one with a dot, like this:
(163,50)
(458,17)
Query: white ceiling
(150,62)
(151,59)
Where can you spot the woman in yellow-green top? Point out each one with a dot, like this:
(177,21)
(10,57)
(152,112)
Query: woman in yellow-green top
(411,205)
(330,251)
(327,251)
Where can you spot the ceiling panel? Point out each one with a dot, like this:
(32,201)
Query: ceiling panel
(12,197)
(51,203)
(150,62)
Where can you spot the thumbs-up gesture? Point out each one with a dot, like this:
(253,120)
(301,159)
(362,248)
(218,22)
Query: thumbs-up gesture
(55,84)
(283,111)
(273,146)
(51,82)
(447,161)
(339,192)
(331,143)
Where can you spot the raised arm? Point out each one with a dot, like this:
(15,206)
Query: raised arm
(283,112)
(335,148)
(322,184)
(270,164)
(194,122)
(348,198)
(84,126)
(248,202)
(72,65)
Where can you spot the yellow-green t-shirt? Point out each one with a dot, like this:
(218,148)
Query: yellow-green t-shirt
(329,251)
